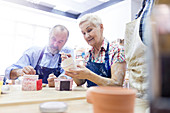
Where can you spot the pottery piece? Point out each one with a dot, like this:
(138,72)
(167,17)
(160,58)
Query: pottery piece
(63,84)
(111,99)
(31,83)
(68,64)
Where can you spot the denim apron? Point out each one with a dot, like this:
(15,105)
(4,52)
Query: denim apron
(44,72)
(102,69)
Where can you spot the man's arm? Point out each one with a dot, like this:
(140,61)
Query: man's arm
(30,57)
(15,73)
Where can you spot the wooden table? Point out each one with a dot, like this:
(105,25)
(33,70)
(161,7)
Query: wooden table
(15,100)
(17,96)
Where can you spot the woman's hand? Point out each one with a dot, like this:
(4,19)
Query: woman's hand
(80,73)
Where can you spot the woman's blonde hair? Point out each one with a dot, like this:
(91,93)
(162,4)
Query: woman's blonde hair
(94,19)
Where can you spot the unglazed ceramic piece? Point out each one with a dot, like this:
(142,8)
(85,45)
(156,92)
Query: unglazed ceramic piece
(111,99)
(68,64)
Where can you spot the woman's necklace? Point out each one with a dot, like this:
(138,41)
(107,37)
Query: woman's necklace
(96,55)
(97,52)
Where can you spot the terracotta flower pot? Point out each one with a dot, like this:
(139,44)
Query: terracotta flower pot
(111,99)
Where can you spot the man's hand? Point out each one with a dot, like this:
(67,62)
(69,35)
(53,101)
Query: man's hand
(51,80)
(15,73)
(29,70)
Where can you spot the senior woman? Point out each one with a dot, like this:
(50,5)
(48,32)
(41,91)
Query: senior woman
(104,63)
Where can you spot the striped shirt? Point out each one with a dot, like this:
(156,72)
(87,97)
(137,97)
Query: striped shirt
(116,53)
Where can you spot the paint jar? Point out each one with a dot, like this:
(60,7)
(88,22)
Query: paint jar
(63,84)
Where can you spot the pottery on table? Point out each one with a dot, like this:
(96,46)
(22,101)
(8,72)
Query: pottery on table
(111,99)
(63,84)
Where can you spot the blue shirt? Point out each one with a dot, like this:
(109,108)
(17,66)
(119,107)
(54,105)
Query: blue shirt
(31,56)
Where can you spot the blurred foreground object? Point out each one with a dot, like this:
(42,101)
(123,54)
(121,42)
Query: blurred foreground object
(162,1)
(53,107)
(160,49)
(111,99)
(1,82)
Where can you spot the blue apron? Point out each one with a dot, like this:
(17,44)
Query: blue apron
(44,72)
(102,69)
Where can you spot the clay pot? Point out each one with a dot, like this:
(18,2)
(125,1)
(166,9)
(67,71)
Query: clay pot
(111,99)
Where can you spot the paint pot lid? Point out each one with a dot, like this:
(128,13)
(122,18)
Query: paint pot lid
(53,107)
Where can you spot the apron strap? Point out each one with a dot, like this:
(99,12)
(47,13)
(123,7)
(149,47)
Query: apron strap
(59,62)
(107,64)
(107,52)
(141,10)
(90,57)
(41,55)
(143,16)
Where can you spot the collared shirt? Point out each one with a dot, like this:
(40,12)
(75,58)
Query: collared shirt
(31,56)
(116,53)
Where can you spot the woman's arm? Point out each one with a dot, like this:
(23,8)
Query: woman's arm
(117,75)
(118,71)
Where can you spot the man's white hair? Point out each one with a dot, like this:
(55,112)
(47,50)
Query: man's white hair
(94,19)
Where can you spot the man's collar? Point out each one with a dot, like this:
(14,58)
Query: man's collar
(46,50)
